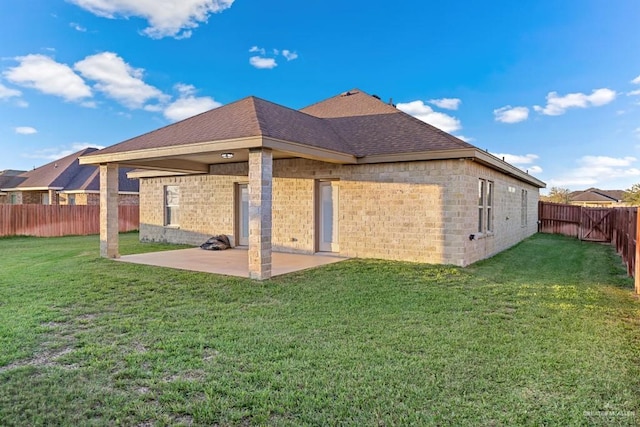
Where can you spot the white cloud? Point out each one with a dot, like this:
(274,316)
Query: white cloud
(634,92)
(78,27)
(509,114)
(595,170)
(166,18)
(423,112)
(6,93)
(636,80)
(25,130)
(118,80)
(256,49)
(524,162)
(516,159)
(290,56)
(56,153)
(464,138)
(446,103)
(557,105)
(188,104)
(534,169)
(48,76)
(262,63)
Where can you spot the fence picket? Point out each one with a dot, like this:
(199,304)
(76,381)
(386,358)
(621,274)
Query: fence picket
(59,220)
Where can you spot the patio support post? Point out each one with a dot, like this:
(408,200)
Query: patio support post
(260,192)
(109,211)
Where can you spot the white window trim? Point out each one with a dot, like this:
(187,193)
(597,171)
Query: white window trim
(167,206)
(485,208)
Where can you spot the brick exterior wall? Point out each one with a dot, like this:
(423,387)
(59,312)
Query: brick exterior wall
(413,211)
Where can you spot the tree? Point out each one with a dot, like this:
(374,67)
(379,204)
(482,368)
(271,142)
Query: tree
(632,196)
(558,195)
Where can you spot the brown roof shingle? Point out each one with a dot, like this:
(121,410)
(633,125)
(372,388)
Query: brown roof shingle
(352,123)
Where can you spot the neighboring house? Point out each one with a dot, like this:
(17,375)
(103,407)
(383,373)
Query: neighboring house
(350,175)
(65,182)
(7,176)
(594,197)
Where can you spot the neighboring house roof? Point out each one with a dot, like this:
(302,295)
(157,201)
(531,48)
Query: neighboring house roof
(597,195)
(8,175)
(65,174)
(350,128)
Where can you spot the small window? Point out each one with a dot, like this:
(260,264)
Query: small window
(172,205)
(523,208)
(45,198)
(14,199)
(71,199)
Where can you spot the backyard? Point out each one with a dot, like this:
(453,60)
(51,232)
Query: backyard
(546,333)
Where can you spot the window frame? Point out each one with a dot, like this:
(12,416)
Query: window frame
(489,206)
(171,206)
(524,207)
(486,194)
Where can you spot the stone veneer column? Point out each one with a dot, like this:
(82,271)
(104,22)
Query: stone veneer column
(260,191)
(109,211)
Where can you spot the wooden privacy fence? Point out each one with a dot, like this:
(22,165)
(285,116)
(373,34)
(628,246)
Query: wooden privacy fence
(58,220)
(617,226)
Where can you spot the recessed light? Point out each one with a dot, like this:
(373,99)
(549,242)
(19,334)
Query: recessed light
(227,155)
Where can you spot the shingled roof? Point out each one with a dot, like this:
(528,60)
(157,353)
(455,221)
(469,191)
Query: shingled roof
(65,174)
(350,128)
(597,195)
(352,123)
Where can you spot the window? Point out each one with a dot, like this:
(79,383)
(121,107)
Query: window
(172,205)
(485,206)
(481,184)
(71,199)
(523,208)
(45,198)
(489,206)
(14,199)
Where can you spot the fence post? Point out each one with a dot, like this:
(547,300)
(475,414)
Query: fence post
(636,273)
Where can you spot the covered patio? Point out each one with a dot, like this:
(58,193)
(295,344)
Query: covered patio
(232,262)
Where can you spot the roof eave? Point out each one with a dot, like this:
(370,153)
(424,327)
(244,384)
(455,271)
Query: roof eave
(163,153)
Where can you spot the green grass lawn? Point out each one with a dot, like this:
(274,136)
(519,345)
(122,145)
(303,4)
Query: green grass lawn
(547,333)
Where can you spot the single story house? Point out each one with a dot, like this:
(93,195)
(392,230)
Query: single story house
(65,182)
(350,175)
(594,197)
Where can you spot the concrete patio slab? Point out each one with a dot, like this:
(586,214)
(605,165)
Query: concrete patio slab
(232,262)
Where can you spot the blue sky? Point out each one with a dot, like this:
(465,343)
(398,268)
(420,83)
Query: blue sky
(552,86)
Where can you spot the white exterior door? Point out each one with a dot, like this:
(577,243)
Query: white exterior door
(328,216)
(243,215)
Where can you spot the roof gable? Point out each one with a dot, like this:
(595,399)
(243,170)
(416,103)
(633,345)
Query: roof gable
(349,104)
(375,128)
